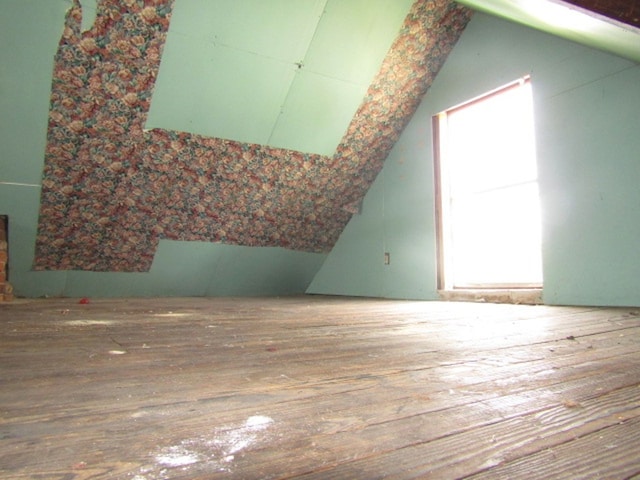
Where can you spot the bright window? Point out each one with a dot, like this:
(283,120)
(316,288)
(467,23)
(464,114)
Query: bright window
(488,205)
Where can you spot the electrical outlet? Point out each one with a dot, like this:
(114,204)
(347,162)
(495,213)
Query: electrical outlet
(387,258)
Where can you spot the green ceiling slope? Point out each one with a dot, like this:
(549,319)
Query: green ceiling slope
(567,21)
(287,74)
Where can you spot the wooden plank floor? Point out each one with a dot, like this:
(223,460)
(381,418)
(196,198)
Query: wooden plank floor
(317,388)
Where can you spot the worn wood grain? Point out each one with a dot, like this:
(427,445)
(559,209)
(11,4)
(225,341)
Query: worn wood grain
(316,387)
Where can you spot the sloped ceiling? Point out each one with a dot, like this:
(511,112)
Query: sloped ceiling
(282,73)
(288,74)
(243,122)
(609,25)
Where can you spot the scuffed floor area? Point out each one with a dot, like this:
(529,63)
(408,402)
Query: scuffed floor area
(317,388)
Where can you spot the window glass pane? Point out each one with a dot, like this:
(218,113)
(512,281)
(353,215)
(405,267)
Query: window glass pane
(497,237)
(491,233)
(491,142)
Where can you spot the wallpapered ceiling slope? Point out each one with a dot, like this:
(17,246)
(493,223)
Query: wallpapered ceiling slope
(112,190)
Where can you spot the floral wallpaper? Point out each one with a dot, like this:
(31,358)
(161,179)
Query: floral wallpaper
(112,190)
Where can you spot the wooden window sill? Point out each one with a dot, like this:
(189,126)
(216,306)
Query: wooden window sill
(521,296)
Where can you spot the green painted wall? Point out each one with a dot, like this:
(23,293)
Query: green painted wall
(29,34)
(587,106)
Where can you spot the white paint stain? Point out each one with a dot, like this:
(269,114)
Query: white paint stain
(213,453)
(177,457)
(87,323)
(238,439)
(258,422)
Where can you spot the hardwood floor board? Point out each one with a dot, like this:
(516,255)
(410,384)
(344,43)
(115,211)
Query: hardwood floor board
(610,452)
(343,421)
(458,374)
(87,384)
(278,388)
(460,453)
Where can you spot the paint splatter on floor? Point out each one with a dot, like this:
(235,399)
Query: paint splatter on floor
(214,453)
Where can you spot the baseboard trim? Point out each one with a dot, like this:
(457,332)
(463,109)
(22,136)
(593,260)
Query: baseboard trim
(503,295)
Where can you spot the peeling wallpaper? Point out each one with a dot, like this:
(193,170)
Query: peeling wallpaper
(112,190)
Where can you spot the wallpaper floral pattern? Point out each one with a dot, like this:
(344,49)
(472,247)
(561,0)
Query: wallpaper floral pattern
(112,190)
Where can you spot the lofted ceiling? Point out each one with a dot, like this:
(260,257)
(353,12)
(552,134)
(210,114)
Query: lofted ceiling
(282,73)
(251,123)
(292,74)
(279,73)
(248,122)
(609,25)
